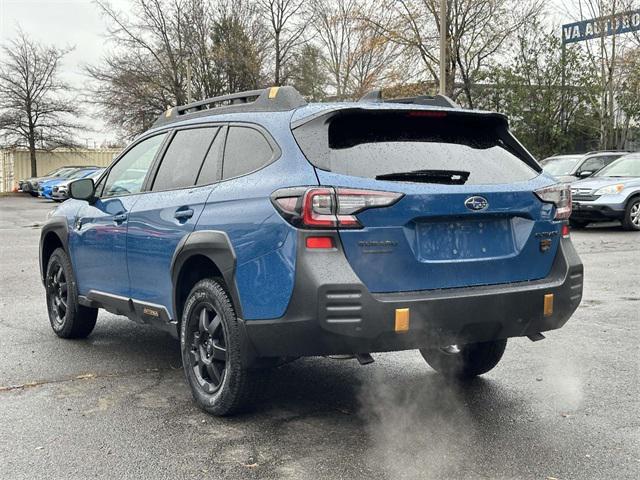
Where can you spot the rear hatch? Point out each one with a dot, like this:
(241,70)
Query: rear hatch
(468,214)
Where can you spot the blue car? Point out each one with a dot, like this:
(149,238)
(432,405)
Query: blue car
(45,189)
(258,228)
(613,193)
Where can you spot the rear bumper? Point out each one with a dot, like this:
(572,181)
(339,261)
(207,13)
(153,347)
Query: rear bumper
(332,312)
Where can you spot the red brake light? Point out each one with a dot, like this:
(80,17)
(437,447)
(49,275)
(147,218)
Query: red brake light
(427,113)
(560,196)
(319,242)
(566,231)
(318,208)
(328,207)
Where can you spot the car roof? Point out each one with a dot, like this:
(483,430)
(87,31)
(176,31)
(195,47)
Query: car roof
(286,104)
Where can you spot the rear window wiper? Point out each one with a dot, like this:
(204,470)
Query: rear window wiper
(448,177)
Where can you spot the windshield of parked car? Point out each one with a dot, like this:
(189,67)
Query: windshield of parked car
(560,165)
(624,167)
(80,173)
(64,172)
(55,171)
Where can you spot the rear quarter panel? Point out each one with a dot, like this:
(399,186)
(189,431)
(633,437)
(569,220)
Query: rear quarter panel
(264,243)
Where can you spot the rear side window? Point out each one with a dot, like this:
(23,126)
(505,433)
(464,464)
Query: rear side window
(371,144)
(246,150)
(182,161)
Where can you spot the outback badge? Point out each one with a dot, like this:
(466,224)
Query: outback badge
(476,203)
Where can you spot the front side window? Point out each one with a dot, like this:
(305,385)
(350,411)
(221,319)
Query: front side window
(183,159)
(246,150)
(591,165)
(127,176)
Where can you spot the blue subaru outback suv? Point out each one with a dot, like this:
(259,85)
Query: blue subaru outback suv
(258,228)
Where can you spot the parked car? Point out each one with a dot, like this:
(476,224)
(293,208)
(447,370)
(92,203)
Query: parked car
(32,185)
(258,228)
(45,189)
(569,168)
(60,191)
(613,193)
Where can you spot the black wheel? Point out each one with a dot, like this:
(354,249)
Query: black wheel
(211,348)
(578,223)
(68,318)
(464,361)
(32,193)
(631,220)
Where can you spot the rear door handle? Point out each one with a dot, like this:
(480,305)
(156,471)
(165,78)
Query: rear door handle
(183,214)
(121,217)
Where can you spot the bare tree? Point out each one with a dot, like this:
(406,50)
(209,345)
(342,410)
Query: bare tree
(477,31)
(34,101)
(357,55)
(165,52)
(286,28)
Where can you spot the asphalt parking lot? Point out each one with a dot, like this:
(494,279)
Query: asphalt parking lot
(116,405)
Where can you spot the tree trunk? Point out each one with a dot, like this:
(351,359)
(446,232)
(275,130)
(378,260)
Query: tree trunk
(32,152)
(278,60)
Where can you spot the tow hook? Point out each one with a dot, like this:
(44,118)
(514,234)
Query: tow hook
(536,337)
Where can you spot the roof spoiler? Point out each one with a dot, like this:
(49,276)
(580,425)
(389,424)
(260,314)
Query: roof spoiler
(375,96)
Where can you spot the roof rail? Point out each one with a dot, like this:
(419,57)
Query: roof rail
(375,96)
(273,99)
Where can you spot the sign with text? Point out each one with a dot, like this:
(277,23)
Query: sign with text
(604,26)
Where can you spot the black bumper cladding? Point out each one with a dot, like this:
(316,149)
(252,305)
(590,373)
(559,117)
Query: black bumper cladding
(331,312)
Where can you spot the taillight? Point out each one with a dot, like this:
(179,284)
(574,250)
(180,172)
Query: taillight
(560,196)
(566,231)
(328,207)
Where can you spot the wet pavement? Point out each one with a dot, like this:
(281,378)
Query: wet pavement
(116,404)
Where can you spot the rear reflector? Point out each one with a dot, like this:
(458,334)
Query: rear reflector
(319,242)
(402,320)
(566,231)
(548,305)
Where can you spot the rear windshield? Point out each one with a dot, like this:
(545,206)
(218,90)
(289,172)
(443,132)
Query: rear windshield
(371,144)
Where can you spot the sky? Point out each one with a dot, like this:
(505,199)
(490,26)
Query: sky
(78,23)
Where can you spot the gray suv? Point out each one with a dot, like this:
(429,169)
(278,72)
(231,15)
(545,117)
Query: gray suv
(613,193)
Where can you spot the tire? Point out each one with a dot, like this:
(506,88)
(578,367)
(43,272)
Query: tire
(465,361)
(631,220)
(578,223)
(211,347)
(68,318)
(33,194)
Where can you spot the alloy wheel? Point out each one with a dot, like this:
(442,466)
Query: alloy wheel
(208,348)
(635,214)
(58,294)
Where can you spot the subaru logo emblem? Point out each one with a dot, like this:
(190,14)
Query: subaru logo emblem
(476,203)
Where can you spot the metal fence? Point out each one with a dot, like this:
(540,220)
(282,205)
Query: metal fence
(15,164)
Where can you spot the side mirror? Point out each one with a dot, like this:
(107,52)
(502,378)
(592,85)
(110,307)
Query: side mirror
(585,173)
(82,189)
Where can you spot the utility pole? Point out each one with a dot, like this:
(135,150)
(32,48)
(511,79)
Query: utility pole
(443,47)
(189,98)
